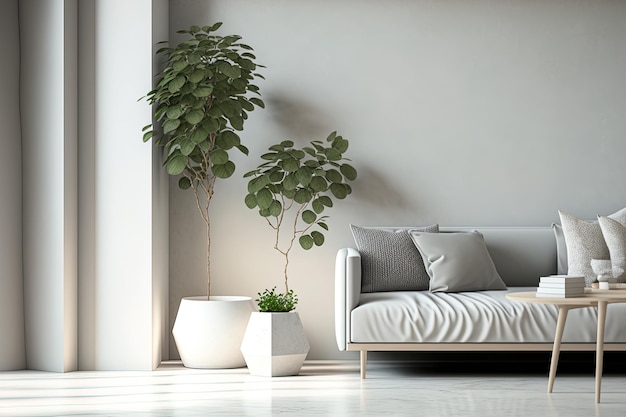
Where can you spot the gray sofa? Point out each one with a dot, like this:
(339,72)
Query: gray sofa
(480,320)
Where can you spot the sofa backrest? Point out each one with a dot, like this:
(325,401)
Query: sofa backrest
(521,254)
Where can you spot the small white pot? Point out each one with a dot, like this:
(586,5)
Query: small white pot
(208,333)
(274,344)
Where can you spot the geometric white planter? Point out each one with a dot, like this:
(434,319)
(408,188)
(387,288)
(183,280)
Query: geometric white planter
(208,333)
(274,344)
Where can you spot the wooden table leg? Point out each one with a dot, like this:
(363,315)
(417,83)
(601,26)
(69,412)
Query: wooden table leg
(556,348)
(363,363)
(600,346)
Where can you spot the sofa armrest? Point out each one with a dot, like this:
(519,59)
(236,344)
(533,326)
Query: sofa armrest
(347,292)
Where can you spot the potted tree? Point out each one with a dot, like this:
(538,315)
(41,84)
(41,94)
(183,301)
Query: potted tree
(292,190)
(201,101)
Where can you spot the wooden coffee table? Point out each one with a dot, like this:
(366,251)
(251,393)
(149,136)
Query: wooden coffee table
(592,298)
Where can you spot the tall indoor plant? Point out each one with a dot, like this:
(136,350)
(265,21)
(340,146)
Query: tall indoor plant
(292,190)
(201,101)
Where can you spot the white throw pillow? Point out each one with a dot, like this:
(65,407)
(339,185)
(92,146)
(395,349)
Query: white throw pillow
(615,237)
(584,241)
(457,262)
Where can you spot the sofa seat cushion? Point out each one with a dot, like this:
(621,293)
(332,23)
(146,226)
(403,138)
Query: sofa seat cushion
(473,317)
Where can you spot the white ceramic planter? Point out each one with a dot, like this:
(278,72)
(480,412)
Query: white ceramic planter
(274,344)
(208,333)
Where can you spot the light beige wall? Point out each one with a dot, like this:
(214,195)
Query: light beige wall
(12,355)
(459,112)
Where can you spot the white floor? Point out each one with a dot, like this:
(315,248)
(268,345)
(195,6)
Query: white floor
(323,388)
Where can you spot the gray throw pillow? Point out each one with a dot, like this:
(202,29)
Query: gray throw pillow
(389,259)
(457,262)
(615,237)
(584,241)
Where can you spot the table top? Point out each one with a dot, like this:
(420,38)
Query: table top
(591,297)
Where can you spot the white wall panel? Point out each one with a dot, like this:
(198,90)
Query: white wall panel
(48,100)
(12,354)
(123,196)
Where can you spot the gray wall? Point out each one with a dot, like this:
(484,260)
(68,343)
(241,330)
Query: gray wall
(12,354)
(462,113)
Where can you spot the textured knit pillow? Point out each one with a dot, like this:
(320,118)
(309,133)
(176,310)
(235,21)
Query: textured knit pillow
(458,262)
(615,237)
(584,241)
(389,259)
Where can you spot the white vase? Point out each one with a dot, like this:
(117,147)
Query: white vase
(208,333)
(274,344)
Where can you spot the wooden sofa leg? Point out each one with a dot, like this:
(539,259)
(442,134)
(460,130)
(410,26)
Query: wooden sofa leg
(363,363)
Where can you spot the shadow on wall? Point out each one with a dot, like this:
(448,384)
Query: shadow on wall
(303,122)
(373,189)
(298,119)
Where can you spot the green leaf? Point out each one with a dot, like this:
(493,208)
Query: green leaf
(290,182)
(193,59)
(332,154)
(179,65)
(264,198)
(270,156)
(340,144)
(236,123)
(339,190)
(308,216)
(224,171)
(250,201)
(170,125)
(199,135)
(203,91)
(184,183)
(348,171)
(176,84)
(317,206)
(194,117)
(228,70)
(174,112)
(276,176)
(276,208)
(325,200)
(258,102)
(196,76)
(333,175)
(176,165)
(187,147)
(255,184)
(230,138)
(318,238)
(290,165)
(304,175)
(218,156)
(148,135)
(331,137)
(302,196)
(323,225)
(306,242)
(242,149)
(318,184)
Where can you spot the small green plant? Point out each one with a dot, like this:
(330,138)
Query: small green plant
(302,183)
(269,301)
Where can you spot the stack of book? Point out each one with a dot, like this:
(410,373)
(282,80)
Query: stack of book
(561,286)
